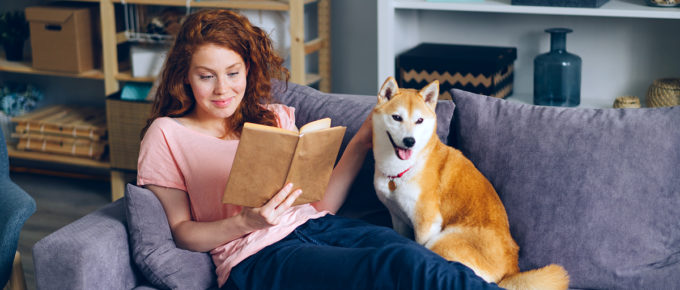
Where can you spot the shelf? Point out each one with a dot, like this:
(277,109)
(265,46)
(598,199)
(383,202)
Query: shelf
(586,102)
(25,67)
(613,8)
(231,4)
(62,159)
(624,44)
(127,77)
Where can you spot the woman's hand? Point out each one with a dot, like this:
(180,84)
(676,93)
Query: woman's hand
(269,214)
(364,136)
(347,168)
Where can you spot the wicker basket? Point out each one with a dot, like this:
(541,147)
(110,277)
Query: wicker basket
(126,120)
(664,93)
(627,102)
(663,3)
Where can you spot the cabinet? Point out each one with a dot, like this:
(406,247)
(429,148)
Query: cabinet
(112,76)
(624,44)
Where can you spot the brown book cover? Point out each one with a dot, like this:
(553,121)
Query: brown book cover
(267,158)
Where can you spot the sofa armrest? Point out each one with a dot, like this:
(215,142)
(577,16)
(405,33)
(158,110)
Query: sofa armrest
(90,253)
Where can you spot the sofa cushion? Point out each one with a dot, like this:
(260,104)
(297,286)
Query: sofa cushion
(154,251)
(351,111)
(595,190)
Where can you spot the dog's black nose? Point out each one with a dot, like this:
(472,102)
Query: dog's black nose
(409,142)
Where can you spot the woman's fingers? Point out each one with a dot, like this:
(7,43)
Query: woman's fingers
(289,201)
(281,202)
(269,214)
(279,197)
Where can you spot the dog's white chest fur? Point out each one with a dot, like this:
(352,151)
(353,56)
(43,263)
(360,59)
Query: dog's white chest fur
(401,202)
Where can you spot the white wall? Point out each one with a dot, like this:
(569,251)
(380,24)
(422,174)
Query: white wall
(354,46)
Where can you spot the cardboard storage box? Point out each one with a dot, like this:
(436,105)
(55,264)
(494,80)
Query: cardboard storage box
(61,38)
(486,70)
(125,120)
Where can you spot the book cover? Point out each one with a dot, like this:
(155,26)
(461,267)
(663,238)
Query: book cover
(267,158)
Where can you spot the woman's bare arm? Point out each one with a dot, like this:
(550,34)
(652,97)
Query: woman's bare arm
(205,236)
(347,168)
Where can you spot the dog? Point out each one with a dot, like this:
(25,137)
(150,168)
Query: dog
(436,196)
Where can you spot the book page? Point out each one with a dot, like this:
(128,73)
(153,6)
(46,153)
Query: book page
(316,125)
(260,127)
(313,163)
(260,166)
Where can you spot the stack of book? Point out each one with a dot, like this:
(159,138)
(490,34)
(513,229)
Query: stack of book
(75,131)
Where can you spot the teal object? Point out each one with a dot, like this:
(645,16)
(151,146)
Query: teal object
(135,92)
(557,74)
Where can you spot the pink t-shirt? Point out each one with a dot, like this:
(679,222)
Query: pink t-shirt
(175,156)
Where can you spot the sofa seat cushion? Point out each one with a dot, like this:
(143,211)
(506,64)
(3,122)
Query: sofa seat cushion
(154,250)
(595,190)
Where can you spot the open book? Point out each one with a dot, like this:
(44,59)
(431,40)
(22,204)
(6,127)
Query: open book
(267,158)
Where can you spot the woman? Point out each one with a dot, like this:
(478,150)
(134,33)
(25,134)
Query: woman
(218,76)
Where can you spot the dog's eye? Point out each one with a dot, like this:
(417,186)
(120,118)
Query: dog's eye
(396,118)
(420,120)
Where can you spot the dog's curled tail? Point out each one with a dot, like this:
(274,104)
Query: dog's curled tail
(549,277)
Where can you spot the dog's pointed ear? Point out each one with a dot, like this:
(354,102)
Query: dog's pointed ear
(430,94)
(388,90)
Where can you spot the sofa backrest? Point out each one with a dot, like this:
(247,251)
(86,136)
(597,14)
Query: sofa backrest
(595,190)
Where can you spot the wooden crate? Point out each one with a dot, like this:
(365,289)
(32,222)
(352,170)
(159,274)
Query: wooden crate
(79,147)
(77,122)
(75,131)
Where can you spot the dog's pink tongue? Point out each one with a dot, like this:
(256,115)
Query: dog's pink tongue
(404,154)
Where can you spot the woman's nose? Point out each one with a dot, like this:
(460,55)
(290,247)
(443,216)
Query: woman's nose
(221,86)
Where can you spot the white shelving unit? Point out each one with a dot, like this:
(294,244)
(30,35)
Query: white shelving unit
(624,44)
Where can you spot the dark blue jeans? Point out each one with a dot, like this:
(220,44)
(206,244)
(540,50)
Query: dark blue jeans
(339,253)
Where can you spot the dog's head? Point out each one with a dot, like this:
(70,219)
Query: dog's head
(404,120)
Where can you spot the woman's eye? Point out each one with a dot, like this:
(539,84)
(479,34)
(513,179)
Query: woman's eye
(205,77)
(420,120)
(396,118)
(232,74)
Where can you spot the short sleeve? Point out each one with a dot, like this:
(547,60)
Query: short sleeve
(286,116)
(156,164)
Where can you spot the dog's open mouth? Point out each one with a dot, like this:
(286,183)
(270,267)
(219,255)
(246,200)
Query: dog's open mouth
(402,153)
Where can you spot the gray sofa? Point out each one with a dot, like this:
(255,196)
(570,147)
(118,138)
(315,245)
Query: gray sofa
(595,190)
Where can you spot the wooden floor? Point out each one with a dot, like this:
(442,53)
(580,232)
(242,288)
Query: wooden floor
(60,201)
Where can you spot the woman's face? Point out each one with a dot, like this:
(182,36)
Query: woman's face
(217,77)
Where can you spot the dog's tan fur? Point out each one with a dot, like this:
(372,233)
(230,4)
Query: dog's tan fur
(457,213)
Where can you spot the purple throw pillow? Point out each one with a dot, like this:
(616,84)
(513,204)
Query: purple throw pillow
(154,251)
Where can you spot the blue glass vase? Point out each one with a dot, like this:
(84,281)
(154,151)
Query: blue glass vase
(557,74)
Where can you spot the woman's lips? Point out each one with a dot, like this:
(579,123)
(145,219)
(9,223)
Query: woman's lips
(222,103)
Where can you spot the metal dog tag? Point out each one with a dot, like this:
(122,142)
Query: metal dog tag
(391,185)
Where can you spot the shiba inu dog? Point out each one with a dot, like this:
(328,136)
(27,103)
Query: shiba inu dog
(437,196)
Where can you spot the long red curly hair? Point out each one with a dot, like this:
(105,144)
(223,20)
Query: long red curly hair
(174,97)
